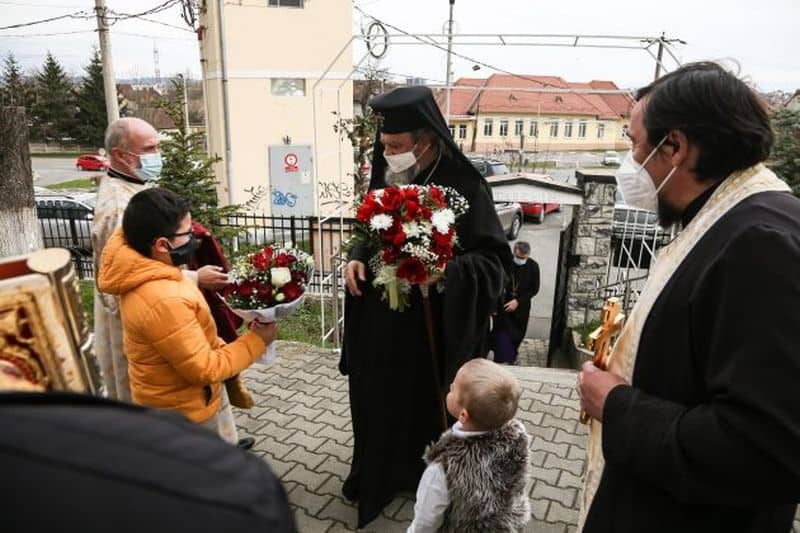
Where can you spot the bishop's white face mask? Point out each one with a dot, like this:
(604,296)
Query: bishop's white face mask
(635,184)
(402,162)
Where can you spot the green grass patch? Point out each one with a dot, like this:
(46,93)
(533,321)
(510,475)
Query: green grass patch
(87,299)
(586,329)
(82,183)
(304,325)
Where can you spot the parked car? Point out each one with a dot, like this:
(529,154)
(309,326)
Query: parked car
(611,158)
(632,223)
(510,214)
(538,210)
(91,162)
(65,220)
(489,167)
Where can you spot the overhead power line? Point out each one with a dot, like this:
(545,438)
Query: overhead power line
(76,15)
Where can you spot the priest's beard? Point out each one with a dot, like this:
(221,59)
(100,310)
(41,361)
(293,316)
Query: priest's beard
(667,215)
(401,178)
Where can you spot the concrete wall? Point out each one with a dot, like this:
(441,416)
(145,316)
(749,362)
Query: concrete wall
(591,244)
(264,43)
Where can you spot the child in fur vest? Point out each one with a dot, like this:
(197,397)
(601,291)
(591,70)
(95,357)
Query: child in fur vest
(478,471)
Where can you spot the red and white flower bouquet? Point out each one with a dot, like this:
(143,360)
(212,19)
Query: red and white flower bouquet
(269,285)
(411,230)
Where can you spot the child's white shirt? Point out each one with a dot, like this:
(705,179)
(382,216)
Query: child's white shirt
(432,494)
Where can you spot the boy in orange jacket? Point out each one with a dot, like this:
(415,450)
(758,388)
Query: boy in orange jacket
(175,358)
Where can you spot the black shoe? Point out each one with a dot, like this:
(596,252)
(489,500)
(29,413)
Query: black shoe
(246,443)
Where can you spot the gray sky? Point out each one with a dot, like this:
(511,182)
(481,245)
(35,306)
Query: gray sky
(762,36)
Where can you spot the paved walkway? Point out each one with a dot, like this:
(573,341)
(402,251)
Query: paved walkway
(302,428)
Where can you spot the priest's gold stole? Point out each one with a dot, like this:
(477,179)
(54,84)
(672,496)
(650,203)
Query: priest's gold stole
(45,343)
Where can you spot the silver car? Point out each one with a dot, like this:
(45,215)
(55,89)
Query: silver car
(65,220)
(510,215)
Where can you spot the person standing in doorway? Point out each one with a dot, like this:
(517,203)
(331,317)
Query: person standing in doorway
(511,321)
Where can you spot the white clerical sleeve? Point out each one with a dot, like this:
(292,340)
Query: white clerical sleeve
(432,500)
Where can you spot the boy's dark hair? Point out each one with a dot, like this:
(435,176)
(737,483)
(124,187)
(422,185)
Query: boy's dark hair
(152,213)
(716,110)
(523,247)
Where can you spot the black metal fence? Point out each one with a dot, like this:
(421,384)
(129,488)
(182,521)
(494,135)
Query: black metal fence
(71,228)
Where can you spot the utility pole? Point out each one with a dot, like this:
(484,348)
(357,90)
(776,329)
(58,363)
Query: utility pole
(659,56)
(449,61)
(109,85)
(185,105)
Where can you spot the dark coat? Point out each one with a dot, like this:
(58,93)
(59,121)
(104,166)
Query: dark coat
(708,437)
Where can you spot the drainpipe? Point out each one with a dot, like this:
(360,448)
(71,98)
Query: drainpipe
(225,107)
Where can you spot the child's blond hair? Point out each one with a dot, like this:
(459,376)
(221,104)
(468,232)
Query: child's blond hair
(490,393)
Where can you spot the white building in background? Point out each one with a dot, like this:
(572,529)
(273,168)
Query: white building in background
(274,53)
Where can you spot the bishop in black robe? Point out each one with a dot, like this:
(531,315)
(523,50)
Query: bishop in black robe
(394,401)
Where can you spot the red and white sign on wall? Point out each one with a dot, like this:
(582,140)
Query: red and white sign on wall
(290,162)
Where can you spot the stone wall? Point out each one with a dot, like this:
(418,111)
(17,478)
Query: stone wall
(590,249)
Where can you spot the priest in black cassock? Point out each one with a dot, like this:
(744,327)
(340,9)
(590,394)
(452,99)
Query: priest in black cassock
(511,320)
(700,416)
(394,402)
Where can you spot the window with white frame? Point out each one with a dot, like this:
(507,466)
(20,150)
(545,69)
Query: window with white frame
(452,131)
(582,129)
(518,124)
(503,128)
(285,3)
(567,128)
(534,131)
(488,127)
(462,131)
(288,87)
(601,130)
(553,128)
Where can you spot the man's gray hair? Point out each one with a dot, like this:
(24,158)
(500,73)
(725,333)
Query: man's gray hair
(116,135)
(523,247)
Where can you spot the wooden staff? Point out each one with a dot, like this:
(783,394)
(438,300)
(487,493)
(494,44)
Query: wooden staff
(600,339)
(426,306)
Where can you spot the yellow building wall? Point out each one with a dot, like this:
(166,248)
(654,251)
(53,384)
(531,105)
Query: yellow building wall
(263,43)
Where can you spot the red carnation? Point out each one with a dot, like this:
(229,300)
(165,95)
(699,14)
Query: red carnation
(437,197)
(412,208)
(229,289)
(390,255)
(442,239)
(246,289)
(283,260)
(426,213)
(413,270)
(392,198)
(411,193)
(292,291)
(264,291)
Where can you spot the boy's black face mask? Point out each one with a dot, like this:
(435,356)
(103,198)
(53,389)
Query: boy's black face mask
(183,253)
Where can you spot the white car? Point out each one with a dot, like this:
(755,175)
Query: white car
(65,219)
(611,158)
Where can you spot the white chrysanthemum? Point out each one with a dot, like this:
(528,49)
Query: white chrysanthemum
(380,222)
(310,261)
(442,220)
(411,229)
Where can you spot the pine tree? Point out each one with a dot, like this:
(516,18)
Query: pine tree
(54,111)
(12,90)
(90,98)
(786,152)
(188,170)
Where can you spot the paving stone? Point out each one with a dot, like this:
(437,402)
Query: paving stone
(555,410)
(575,467)
(571,438)
(341,511)
(406,511)
(566,496)
(309,413)
(250,425)
(383,524)
(332,486)
(539,509)
(577,453)
(342,452)
(309,501)
(301,455)
(334,466)
(278,467)
(549,475)
(531,418)
(308,478)
(559,513)
(546,433)
(309,442)
(342,437)
(566,479)
(310,524)
(537,457)
(273,448)
(544,527)
(550,447)
(390,510)
(538,398)
(310,428)
(335,420)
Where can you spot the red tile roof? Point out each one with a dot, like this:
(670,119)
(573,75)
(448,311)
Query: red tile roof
(465,102)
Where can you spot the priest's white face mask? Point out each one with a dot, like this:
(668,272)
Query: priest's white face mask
(635,184)
(401,162)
